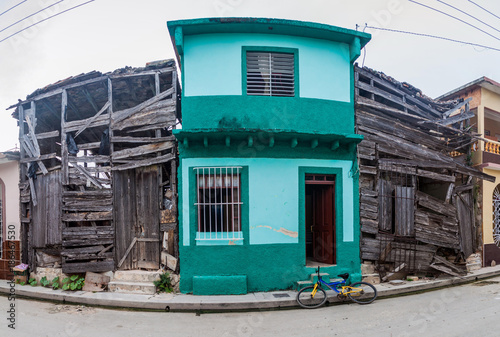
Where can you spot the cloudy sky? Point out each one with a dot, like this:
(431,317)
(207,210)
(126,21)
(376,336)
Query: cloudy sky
(107,34)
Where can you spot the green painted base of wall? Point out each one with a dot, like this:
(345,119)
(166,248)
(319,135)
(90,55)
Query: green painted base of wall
(216,285)
(265,267)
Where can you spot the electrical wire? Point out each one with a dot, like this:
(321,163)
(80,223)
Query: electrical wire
(484,9)
(434,36)
(454,17)
(13,7)
(47,18)
(472,16)
(29,16)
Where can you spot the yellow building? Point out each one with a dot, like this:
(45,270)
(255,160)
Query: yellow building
(485,103)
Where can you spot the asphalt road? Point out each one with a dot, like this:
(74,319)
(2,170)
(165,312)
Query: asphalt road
(468,310)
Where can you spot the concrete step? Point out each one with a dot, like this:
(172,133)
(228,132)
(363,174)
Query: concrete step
(302,284)
(136,276)
(324,276)
(142,288)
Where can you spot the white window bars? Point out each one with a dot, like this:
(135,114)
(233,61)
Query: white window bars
(218,203)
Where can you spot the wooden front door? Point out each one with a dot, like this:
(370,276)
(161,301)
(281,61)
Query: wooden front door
(323,221)
(137,218)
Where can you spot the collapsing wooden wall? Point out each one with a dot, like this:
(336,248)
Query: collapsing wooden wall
(416,200)
(82,139)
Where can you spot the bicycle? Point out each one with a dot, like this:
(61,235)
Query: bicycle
(315,296)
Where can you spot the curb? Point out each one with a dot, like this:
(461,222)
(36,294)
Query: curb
(250,302)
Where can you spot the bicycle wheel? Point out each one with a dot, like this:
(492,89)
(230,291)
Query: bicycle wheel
(362,292)
(309,299)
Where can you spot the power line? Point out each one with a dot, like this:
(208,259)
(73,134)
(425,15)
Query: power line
(47,18)
(454,17)
(13,7)
(435,37)
(484,9)
(29,16)
(472,16)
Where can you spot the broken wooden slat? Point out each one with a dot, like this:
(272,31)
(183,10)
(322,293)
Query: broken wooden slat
(123,114)
(141,150)
(435,204)
(145,162)
(92,119)
(134,240)
(87,216)
(50,134)
(129,139)
(88,176)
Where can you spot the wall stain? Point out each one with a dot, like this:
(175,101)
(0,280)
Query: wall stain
(282,230)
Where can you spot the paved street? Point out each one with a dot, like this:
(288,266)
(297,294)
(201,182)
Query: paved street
(469,310)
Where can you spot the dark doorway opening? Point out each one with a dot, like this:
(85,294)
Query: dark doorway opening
(320,219)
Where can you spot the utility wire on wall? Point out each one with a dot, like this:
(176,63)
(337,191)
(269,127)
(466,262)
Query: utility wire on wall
(433,36)
(47,18)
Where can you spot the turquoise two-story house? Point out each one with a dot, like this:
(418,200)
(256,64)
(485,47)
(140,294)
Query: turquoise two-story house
(268,183)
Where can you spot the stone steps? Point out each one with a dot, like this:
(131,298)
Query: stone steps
(142,288)
(134,282)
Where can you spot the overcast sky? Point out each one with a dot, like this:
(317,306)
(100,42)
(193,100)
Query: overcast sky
(105,35)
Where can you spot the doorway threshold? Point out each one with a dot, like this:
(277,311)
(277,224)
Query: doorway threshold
(313,264)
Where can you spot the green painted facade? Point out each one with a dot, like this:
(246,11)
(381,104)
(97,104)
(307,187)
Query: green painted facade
(275,140)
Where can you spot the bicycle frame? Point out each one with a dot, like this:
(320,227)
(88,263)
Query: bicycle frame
(345,288)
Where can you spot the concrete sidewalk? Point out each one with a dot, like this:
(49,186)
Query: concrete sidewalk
(251,301)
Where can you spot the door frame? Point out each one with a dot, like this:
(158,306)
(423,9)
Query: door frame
(338,205)
(321,181)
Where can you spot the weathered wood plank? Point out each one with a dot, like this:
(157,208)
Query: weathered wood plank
(123,114)
(82,267)
(130,139)
(144,162)
(141,150)
(45,135)
(425,200)
(87,216)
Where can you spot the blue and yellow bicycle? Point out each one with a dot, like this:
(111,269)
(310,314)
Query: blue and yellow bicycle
(315,296)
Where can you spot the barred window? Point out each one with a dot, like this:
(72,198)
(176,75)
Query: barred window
(218,203)
(270,74)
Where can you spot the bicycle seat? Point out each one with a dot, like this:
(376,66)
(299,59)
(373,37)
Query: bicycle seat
(344,276)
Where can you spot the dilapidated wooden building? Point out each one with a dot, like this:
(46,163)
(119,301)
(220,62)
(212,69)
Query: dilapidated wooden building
(417,202)
(98,170)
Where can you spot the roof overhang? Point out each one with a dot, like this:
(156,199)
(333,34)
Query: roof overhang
(483,82)
(180,28)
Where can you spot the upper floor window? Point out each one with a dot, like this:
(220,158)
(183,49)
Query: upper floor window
(270,73)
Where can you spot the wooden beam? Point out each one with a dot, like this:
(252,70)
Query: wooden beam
(93,118)
(50,134)
(87,175)
(123,114)
(127,252)
(449,112)
(129,139)
(141,150)
(145,162)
